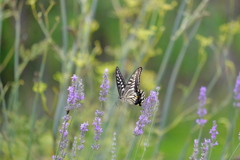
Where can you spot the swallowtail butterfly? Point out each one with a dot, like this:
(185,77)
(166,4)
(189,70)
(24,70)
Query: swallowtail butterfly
(129,92)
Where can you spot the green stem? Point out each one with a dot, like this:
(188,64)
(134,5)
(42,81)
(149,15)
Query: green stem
(230,133)
(234,151)
(64,27)
(139,142)
(210,153)
(63,87)
(187,143)
(172,81)
(200,133)
(163,65)
(5,126)
(134,141)
(1,22)
(192,83)
(35,104)
(16,56)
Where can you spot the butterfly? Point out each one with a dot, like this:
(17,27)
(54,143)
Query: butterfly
(130,92)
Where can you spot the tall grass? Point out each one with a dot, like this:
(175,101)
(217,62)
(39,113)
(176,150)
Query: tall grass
(181,45)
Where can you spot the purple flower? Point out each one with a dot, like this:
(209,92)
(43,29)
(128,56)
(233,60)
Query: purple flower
(239,136)
(214,134)
(95,147)
(97,133)
(208,143)
(201,121)
(75,94)
(63,143)
(236,91)
(74,77)
(98,129)
(205,148)
(148,107)
(99,113)
(202,96)
(104,87)
(195,150)
(80,147)
(202,110)
(83,129)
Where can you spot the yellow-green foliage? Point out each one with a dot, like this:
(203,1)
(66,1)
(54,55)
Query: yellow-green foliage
(181,45)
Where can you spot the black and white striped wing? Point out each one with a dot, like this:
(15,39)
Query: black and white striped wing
(130,92)
(133,94)
(134,81)
(120,82)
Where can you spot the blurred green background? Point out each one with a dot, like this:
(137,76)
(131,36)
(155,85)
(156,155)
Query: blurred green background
(45,42)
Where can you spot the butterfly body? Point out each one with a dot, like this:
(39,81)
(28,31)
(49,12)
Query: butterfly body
(130,92)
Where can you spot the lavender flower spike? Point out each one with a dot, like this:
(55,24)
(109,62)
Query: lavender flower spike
(236,91)
(64,139)
(148,107)
(214,134)
(83,129)
(205,148)
(114,146)
(98,131)
(99,113)
(195,150)
(202,110)
(75,94)
(104,87)
(202,96)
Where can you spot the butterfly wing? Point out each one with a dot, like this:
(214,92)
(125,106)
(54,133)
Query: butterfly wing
(120,82)
(132,94)
(134,80)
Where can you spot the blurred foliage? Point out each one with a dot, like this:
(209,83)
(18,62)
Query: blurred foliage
(44,42)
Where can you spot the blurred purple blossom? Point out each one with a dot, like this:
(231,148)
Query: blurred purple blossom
(202,96)
(104,87)
(205,148)
(99,113)
(201,109)
(236,91)
(148,107)
(95,147)
(75,94)
(98,131)
(208,143)
(83,129)
(201,121)
(63,143)
(195,150)
(213,131)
